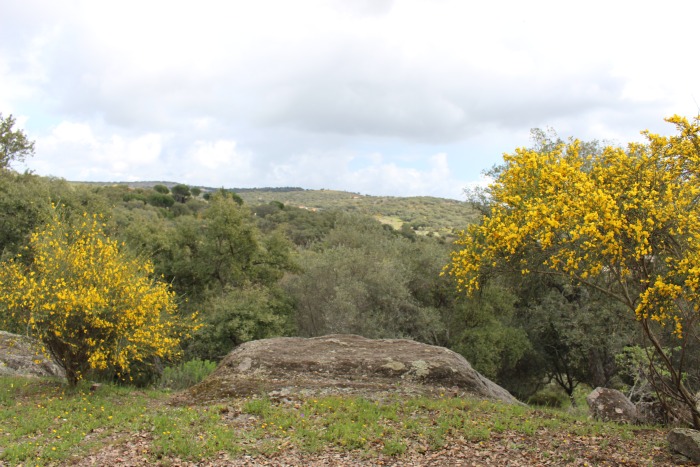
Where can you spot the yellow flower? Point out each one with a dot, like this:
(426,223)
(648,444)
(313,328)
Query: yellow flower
(82,292)
(630,214)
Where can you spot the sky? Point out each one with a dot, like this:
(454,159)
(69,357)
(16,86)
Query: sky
(378,97)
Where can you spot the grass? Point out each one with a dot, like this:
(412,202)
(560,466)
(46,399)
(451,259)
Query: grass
(43,422)
(185,374)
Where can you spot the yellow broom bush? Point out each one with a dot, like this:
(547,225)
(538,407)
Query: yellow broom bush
(91,304)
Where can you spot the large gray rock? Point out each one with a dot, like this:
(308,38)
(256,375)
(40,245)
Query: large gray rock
(610,405)
(341,364)
(685,441)
(22,356)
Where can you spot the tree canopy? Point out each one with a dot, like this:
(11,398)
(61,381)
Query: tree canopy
(14,144)
(623,222)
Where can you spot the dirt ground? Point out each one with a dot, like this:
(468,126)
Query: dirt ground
(503,449)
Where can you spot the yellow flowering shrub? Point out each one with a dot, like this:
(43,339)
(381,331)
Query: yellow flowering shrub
(92,305)
(625,221)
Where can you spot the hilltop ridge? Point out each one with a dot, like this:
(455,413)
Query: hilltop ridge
(422,214)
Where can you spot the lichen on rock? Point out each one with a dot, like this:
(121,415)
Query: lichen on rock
(341,364)
(23,356)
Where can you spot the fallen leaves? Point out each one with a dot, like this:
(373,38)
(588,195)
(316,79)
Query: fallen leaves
(509,448)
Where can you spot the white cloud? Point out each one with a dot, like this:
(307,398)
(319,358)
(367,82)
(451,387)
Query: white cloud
(301,93)
(74,151)
(219,163)
(215,155)
(70,132)
(389,177)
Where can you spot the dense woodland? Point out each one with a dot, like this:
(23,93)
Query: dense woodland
(260,269)
(291,262)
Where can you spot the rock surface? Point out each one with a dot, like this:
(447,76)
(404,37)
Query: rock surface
(685,441)
(610,405)
(341,364)
(22,356)
(653,413)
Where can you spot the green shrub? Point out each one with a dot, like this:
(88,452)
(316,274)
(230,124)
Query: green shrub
(161,200)
(186,374)
(549,396)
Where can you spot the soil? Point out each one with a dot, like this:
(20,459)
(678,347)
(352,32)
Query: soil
(546,448)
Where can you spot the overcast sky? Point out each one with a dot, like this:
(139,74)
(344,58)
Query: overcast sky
(381,97)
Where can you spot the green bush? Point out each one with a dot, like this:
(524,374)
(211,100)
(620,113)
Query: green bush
(185,374)
(161,200)
(549,396)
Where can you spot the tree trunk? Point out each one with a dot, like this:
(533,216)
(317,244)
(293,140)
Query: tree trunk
(596,368)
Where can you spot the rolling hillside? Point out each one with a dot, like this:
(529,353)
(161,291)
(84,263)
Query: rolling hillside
(423,214)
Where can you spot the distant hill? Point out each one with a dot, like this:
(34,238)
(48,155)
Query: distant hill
(423,214)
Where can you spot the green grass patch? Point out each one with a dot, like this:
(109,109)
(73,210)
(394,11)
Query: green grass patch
(43,422)
(185,374)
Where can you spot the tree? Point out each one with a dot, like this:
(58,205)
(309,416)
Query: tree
(92,306)
(161,200)
(25,204)
(357,279)
(14,144)
(230,244)
(488,338)
(181,193)
(225,267)
(576,332)
(238,315)
(624,222)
